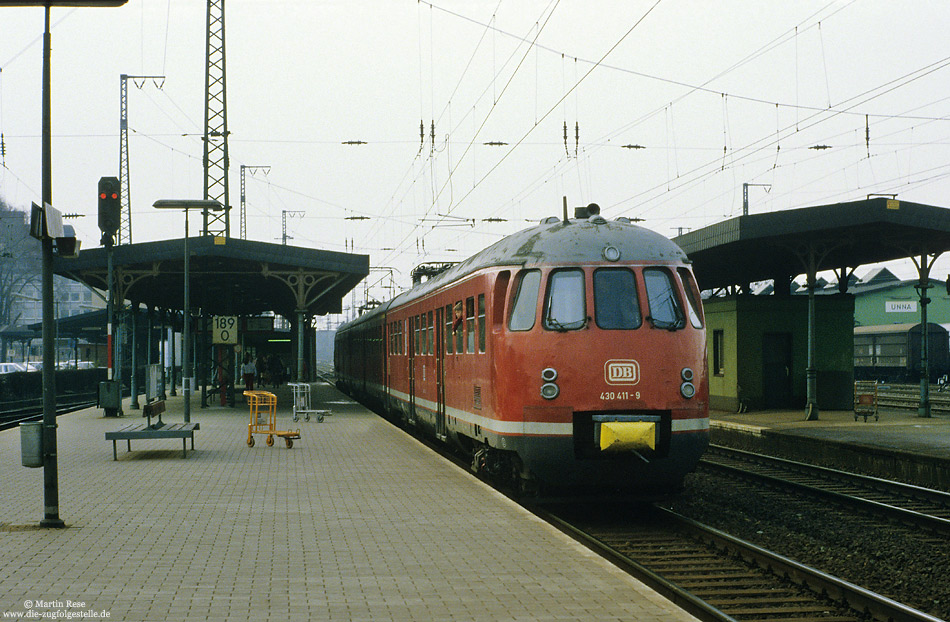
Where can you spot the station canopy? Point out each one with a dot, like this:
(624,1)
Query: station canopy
(228,276)
(784,244)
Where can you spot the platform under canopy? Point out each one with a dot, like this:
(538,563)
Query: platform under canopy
(228,276)
(758,247)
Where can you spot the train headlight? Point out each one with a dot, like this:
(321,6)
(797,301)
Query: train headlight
(686,374)
(611,253)
(549,390)
(688,390)
(549,374)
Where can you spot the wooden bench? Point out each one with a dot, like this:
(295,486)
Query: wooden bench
(149,431)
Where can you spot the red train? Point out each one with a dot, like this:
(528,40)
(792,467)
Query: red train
(569,356)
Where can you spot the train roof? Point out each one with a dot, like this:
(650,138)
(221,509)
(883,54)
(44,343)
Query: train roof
(554,241)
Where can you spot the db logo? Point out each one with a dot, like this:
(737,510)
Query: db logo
(622,371)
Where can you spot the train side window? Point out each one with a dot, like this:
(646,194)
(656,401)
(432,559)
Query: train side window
(415,332)
(430,327)
(449,342)
(481,322)
(422,333)
(694,308)
(470,325)
(616,304)
(525,302)
(457,327)
(665,311)
(564,305)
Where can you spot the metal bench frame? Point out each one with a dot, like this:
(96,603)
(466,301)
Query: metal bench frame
(147,431)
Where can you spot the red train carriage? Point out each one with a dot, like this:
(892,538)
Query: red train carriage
(570,355)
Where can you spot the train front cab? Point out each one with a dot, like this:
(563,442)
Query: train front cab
(605,366)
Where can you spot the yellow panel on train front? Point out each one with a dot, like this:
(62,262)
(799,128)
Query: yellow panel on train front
(627,435)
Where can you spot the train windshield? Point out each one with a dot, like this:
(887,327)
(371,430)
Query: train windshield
(564,307)
(665,309)
(616,305)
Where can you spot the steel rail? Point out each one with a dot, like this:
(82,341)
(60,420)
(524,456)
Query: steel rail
(820,475)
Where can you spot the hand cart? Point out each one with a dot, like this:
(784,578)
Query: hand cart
(302,403)
(865,399)
(263,407)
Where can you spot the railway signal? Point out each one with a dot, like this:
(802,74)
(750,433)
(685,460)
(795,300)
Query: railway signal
(109,208)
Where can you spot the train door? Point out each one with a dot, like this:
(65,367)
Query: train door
(440,427)
(777,369)
(413,349)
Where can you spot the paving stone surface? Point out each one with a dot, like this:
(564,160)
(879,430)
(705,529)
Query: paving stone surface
(357,521)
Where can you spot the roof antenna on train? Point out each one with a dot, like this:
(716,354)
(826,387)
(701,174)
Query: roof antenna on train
(566,222)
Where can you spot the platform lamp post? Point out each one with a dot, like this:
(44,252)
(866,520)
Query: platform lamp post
(50,477)
(184,205)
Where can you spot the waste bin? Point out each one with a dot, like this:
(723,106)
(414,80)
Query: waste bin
(109,398)
(31,444)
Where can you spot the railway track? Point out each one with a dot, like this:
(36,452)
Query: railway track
(913,505)
(717,577)
(11,417)
(907,397)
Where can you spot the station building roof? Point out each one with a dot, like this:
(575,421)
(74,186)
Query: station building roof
(228,276)
(844,235)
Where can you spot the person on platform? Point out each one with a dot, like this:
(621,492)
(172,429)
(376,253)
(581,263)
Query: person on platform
(249,372)
(276,369)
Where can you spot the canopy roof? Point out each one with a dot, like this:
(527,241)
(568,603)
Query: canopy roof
(780,244)
(228,276)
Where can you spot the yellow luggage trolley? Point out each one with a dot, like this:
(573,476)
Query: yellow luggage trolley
(263,407)
(865,399)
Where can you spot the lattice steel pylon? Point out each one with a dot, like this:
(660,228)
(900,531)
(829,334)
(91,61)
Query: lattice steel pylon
(216,125)
(124,234)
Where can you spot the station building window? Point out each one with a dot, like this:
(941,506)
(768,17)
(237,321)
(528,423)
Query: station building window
(719,353)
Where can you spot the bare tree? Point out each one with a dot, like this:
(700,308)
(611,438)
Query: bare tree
(20,260)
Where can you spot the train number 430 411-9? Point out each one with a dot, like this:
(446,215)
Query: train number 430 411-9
(620,395)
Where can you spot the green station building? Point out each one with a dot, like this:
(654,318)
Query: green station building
(794,347)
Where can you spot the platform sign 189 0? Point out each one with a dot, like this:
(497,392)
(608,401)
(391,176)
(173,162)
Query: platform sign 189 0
(224,329)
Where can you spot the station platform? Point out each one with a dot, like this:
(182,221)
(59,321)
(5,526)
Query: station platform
(898,445)
(357,521)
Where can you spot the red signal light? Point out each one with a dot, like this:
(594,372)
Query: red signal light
(102,195)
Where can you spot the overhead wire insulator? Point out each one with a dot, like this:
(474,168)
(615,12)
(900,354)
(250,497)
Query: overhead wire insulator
(577,136)
(566,152)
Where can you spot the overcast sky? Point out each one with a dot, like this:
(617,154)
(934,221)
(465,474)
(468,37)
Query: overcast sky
(822,101)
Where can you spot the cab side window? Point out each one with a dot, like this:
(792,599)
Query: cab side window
(525,301)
